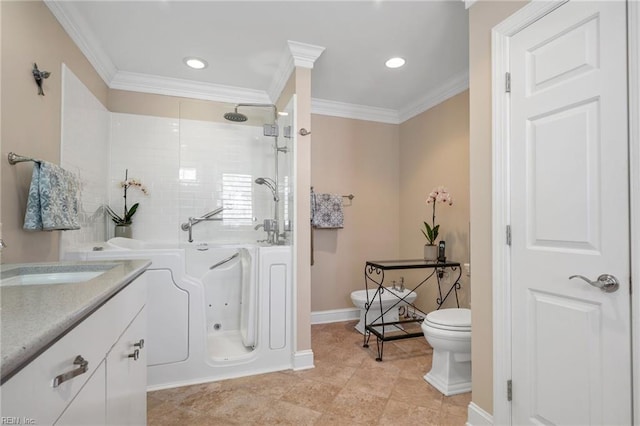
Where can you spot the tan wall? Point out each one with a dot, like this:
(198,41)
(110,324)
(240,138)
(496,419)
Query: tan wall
(360,158)
(31,123)
(434,151)
(483,16)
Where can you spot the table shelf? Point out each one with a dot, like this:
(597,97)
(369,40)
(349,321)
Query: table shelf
(374,277)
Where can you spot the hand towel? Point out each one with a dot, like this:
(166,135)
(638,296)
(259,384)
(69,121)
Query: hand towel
(326,211)
(53,203)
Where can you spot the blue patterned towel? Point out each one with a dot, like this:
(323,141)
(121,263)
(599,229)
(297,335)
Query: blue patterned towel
(53,203)
(326,211)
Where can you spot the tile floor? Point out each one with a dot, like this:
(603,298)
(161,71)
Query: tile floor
(346,387)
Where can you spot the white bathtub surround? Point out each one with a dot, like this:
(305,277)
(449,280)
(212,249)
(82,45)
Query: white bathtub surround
(202,325)
(192,167)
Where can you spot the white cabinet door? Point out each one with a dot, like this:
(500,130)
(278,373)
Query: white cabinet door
(127,376)
(88,407)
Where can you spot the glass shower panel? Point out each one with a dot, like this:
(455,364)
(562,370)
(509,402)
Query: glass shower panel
(219,162)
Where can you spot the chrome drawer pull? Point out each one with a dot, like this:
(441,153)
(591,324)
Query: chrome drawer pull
(135,355)
(84,367)
(140,344)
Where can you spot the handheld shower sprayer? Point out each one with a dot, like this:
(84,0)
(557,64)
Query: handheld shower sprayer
(269,183)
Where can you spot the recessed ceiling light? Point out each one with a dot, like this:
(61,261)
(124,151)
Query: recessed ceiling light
(395,63)
(195,63)
(283,113)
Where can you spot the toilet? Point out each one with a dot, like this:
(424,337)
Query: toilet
(389,297)
(448,331)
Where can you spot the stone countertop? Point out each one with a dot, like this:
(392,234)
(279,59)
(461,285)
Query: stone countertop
(33,317)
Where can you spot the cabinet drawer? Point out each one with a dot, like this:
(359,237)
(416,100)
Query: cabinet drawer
(30,393)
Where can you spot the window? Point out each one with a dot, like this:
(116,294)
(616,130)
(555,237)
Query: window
(236,199)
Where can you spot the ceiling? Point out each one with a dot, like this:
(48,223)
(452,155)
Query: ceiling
(140,45)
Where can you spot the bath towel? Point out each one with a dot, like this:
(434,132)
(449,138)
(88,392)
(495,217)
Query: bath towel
(326,211)
(53,202)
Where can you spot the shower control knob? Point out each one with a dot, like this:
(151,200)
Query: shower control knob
(135,355)
(139,344)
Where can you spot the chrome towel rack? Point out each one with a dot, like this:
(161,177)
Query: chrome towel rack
(350,196)
(15,158)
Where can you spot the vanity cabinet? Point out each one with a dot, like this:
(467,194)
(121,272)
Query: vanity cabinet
(127,375)
(105,385)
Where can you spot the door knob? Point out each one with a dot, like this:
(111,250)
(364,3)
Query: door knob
(605,282)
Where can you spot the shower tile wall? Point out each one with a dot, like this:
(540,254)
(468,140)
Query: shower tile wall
(84,151)
(149,148)
(189,167)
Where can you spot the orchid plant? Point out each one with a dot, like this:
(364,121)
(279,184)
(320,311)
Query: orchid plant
(127,183)
(437,195)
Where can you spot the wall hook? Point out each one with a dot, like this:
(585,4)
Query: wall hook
(304,132)
(39,76)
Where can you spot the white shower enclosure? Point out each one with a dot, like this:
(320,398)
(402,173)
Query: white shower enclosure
(205,323)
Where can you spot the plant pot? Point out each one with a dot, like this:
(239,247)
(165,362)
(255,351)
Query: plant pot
(123,231)
(430,252)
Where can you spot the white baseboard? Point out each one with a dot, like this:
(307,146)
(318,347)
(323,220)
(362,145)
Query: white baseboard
(303,360)
(476,416)
(335,315)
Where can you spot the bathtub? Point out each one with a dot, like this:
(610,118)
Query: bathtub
(214,311)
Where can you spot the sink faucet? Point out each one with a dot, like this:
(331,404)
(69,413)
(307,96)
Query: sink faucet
(188,226)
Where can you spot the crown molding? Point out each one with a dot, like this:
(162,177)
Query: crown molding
(358,112)
(282,75)
(457,84)
(304,55)
(77,29)
(295,55)
(147,83)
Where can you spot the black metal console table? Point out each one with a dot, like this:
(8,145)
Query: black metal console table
(374,277)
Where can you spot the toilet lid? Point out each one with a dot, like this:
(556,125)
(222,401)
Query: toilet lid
(450,318)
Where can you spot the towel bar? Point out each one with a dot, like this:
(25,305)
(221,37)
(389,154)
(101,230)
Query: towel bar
(15,158)
(350,196)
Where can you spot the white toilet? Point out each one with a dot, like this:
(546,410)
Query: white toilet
(389,298)
(448,331)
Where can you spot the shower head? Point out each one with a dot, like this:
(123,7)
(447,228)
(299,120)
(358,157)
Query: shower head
(235,116)
(269,183)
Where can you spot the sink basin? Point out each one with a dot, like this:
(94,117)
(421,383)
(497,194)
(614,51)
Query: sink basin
(52,275)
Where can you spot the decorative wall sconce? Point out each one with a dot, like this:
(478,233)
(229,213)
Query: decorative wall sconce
(39,76)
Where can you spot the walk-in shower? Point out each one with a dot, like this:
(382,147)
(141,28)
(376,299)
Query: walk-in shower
(269,130)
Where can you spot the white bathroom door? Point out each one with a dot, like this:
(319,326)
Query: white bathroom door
(571,341)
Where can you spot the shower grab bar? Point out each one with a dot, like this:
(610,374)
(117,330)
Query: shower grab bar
(188,226)
(222,262)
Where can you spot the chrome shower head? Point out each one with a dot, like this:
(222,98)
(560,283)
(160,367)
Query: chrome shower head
(235,116)
(269,183)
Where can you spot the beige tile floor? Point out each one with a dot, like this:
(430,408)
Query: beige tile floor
(346,387)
